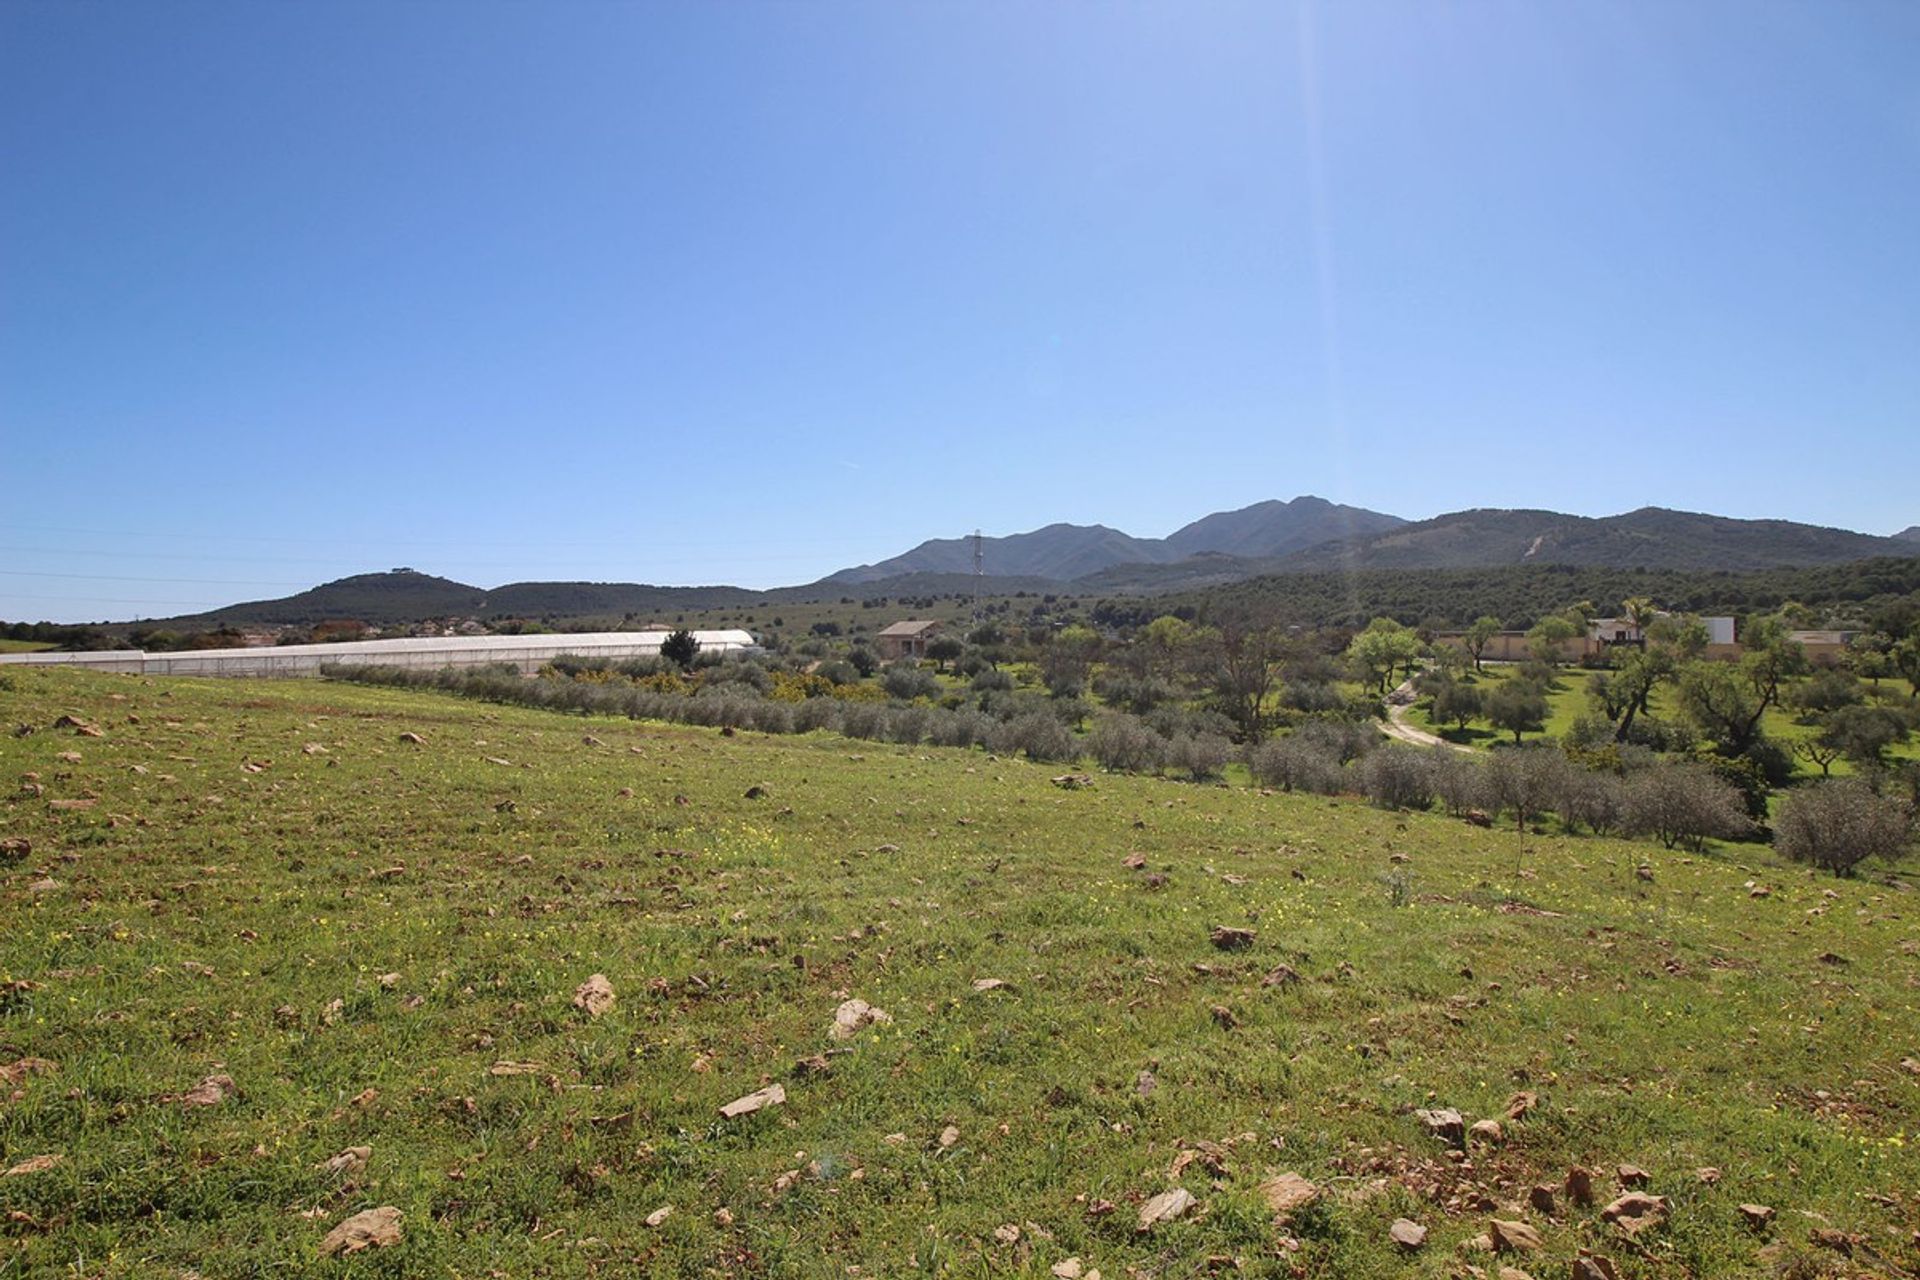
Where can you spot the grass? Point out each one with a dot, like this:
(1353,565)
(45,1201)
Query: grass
(274,886)
(24,646)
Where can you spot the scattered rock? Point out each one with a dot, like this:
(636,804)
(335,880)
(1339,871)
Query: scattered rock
(413,739)
(816,1065)
(1069,1269)
(1758,1217)
(1487,1131)
(210,1092)
(594,996)
(1224,1018)
(72,806)
(1838,1241)
(723,1217)
(1407,1233)
(1521,1103)
(1632,1175)
(660,1215)
(1580,1186)
(1073,781)
(771,1096)
(1635,1211)
(1478,817)
(988,984)
(1165,1207)
(1708,1174)
(18,1070)
(852,1015)
(33,1164)
(756,792)
(1230,938)
(1513,1237)
(949,1136)
(374,1229)
(1006,1233)
(1284,975)
(592,741)
(1541,1198)
(1134,861)
(1591,1266)
(388,981)
(1514,1273)
(1145,1083)
(1445,1124)
(1287,1192)
(15,847)
(350,1161)
(508,1068)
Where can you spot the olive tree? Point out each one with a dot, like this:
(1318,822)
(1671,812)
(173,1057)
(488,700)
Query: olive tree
(1837,825)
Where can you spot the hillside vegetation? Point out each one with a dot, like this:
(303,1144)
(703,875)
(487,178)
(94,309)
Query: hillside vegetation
(282,953)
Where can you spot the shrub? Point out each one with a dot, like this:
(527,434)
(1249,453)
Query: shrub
(1312,696)
(679,648)
(1035,732)
(1397,778)
(1838,824)
(1682,802)
(816,713)
(1589,798)
(991,680)
(1459,780)
(1297,763)
(1525,780)
(906,681)
(1124,744)
(1202,755)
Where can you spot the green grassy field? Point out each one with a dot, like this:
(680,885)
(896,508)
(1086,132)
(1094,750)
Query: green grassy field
(24,646)
(378,942)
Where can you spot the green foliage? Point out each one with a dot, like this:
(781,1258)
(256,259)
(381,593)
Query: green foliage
(680,648)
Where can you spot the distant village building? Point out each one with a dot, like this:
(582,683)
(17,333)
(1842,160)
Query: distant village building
(906,639)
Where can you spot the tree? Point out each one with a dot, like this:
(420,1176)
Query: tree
(1547,636)
(945,649)
(1679,802)
(1517,707)
(679,648)
(1863,734)
(1239,668)
(1377,651)
(1455,703)
(1480,635)
(1818,750)
(1625,692)
(1839,824)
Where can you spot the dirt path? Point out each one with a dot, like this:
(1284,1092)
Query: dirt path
(1396,726)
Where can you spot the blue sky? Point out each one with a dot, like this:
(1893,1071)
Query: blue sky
(749,292)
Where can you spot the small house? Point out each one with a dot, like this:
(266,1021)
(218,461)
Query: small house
(906,639)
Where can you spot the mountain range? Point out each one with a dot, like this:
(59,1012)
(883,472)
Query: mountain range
(1305,535)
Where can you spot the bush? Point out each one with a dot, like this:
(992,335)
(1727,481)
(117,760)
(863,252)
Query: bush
(1682,802)
(1312,696)
(816,713)
(1838,824)
(1138,694)
(1459,780)
(1525,780)
(1396,777)
(1035,732)
(1297,763)
(906,681)
(1124,744)
(1202,755)
(839,671)
(1589,798)
(991,680)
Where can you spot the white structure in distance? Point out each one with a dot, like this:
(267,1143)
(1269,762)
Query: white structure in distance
(528,653)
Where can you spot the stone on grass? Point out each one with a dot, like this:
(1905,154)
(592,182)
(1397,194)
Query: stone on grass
(1165,1207)
(210,1092)
(1231,937)
(1635,1211)
(852,1015)
(771,1096)
(1542,1200)
(1488,1131)
(594,996)
(1445,1124)
(374,1229)
(1633,1176)
(1591,1266)
(1758,1216)
(1580,1185)
(659,1215)
(33,1164)
(1286,1192)
(1513,1237)
(1407,1233)
(350,1161)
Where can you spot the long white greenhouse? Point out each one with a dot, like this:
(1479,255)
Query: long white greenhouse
(528,653)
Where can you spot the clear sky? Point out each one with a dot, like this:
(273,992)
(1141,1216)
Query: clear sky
(748,292)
